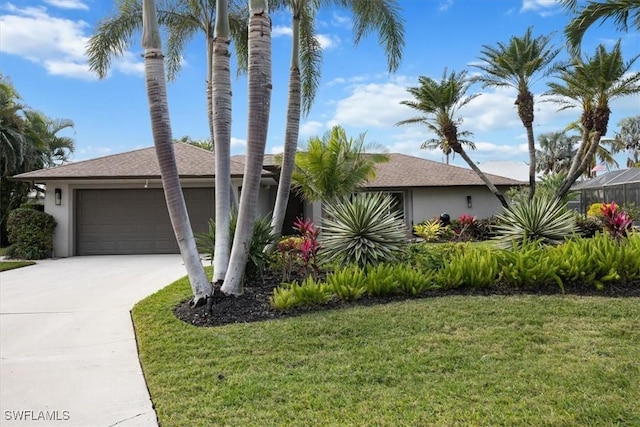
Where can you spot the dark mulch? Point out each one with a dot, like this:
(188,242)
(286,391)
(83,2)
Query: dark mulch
(253,305)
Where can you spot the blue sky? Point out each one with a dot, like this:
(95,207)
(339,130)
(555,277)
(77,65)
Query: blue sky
(42,46)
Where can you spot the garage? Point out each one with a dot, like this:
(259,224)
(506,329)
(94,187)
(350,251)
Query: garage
(134,221)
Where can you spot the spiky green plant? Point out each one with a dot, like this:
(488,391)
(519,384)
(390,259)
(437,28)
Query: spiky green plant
(541,219)
(363,230)
(348,284)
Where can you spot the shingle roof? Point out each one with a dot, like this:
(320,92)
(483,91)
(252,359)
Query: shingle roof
(192,162)
(407,171)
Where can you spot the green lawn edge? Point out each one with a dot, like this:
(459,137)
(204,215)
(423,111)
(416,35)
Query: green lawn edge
(10,265)
(457,360)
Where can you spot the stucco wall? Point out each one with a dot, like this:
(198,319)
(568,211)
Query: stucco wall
(429,203)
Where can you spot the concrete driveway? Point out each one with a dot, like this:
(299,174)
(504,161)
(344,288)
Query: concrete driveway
(67,349)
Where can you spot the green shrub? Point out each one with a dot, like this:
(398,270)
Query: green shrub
(363,230)
(428,230)
(588,226)
(427,256)
(530,266)
(31,233)
(308,293)
(262,236)
(382,280)
(599,261)
(348,284)
(412,281)
(474,266)
(545,220)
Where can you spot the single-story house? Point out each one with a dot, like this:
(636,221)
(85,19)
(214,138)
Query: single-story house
(115,204)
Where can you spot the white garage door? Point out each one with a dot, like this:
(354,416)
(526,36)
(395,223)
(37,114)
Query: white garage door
(136,221)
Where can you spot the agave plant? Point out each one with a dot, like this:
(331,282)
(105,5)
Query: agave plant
(541,219)
(363,230)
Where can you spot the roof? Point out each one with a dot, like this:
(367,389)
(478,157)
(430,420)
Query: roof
(507,168)
(192,161)
(408,171)
(617,177)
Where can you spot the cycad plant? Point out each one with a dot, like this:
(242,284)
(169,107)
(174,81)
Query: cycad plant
(362,230)
(542,219)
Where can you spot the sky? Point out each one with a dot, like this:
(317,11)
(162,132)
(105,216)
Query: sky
(42,51)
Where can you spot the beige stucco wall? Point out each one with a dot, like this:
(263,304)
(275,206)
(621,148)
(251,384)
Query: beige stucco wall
(64,214)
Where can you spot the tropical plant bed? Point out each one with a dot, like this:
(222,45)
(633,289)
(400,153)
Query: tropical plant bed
(254,305)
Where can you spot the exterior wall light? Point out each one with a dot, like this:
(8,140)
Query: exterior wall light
(469,203)
(58,196)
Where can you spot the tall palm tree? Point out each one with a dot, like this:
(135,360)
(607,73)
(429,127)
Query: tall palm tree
(518,64)
(439,102)
(334,166)
(592,84)
(55,149)
(12,125)
(258,110)
(555,153)
(620,11)
(381,16)
(161,128)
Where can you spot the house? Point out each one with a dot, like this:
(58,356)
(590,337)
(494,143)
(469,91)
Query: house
(115,204)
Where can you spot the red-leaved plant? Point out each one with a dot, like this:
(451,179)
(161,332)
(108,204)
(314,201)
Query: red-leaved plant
(300,251)
(617,222)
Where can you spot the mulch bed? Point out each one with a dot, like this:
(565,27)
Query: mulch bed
(253,305)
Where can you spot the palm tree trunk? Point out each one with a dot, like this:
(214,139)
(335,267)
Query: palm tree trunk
(259,79)
(483,177)
(221,85)
(161,128)
(532,161)
(579,169)
(291,134)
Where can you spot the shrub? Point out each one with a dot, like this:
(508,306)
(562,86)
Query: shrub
(348,284)
(426,256)
(382,281)
(31,232)
(544,220)
(588,226)
(363,230)
(430,231)
(616,221)
(595,210)
(475,267)
(531,266)
(308,293)
(412,281)
(262,236)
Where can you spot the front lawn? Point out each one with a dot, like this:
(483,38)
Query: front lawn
(10,265)
(457,360)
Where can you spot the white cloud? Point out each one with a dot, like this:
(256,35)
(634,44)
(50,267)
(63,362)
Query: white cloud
(340,20)
(57,44)
(311,128)
(277,149)
(281,30)
(445,5)
(68,4)
(328,41)
(238,143)
(543,7)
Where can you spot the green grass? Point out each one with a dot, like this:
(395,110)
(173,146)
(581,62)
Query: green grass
(463,361)
(10,265)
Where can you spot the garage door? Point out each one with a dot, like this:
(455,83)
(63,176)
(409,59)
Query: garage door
(122,222)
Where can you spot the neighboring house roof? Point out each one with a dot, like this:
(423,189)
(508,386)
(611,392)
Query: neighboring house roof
(507,168)
(192,161)
(617,177)
(408,171)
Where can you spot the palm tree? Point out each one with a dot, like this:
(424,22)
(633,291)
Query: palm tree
(334,166)
(555,153)
(620,11)
(592,84)
(381,16)
(629,138)
(517,65)
(258,110)
(439,103)
(161,128)
(55,149)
